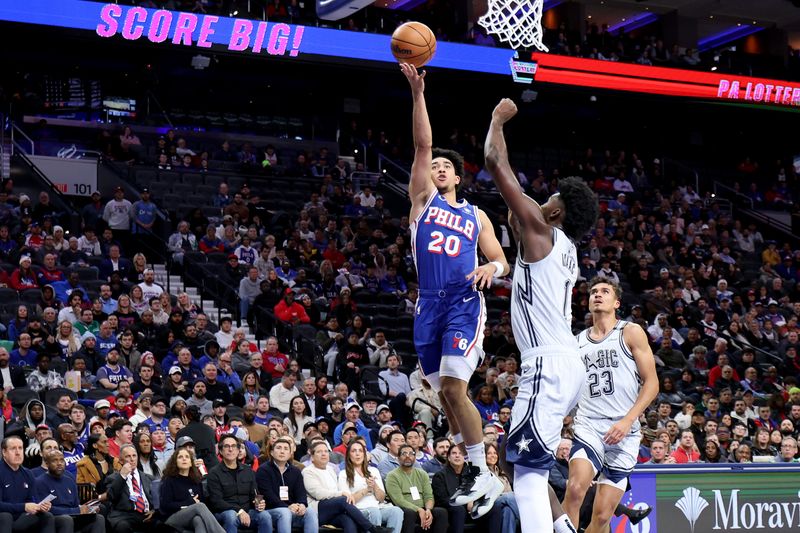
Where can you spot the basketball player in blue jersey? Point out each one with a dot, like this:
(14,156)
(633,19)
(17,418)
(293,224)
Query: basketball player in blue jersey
(450,312)
(541,318)
(621,382)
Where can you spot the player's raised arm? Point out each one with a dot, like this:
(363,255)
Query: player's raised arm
(420,186)
(525,209)
(490,247)
(636,339)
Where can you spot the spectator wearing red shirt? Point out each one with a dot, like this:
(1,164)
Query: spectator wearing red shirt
(715,373)
(274,361)
(24,277)
(685,452)
(333,255)
(289,311)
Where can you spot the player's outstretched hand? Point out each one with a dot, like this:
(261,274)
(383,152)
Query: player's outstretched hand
(415,78)
(482,276)
(617,432)
(504,111)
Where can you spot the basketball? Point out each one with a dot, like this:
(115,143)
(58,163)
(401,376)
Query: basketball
(414,43)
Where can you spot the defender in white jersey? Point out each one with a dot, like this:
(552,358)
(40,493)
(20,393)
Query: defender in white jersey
(541,318)
(621,382)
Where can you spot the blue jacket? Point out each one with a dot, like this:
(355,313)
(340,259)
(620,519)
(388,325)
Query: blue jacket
(16,489)
(65,489)
(362,430)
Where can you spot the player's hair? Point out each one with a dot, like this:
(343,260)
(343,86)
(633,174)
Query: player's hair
(597,280)
(452,156)
(580,206)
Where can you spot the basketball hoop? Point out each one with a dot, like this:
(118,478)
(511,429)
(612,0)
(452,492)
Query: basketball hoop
(518,22)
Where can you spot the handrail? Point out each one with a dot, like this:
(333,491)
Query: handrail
(684,167)
(149,94)
(14,127)
(383,160)
(719,185)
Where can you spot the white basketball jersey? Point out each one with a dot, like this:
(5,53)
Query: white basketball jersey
(612,379)
(541,298)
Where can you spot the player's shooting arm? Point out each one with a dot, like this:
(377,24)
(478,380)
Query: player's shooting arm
(495,152)
(420,186)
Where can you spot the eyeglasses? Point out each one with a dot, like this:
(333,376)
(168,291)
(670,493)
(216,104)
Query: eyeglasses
(230,446)
(408,454)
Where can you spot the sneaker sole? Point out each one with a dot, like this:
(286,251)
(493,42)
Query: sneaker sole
(484,504)
(464,499)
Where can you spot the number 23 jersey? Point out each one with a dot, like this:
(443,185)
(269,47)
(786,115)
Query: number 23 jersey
(612,378)
(444,240)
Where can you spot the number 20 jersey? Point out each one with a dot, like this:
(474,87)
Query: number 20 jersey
(612,378)
(444,240)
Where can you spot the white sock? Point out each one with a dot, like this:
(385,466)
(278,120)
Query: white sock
(535,516)
(477,456)
(563,525)
(458,439)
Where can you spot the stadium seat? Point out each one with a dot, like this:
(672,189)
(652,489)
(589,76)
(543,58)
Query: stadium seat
(8,295)
(19,397)
(50,397)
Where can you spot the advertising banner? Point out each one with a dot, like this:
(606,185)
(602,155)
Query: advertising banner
(725,498)
(290,41)
(73,177)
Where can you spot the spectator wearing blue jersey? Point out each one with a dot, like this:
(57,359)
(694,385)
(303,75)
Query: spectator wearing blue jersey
(69,514)
(105,339)
(73,450)
(19,511)
(392,283)
(17,324)
(486,404)
(64,288)
(24,355)
(110,374)
(143,213)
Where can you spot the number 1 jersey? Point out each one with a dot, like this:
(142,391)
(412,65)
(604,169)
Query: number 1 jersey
(444,241)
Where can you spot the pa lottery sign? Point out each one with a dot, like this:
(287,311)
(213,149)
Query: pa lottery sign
(203,31)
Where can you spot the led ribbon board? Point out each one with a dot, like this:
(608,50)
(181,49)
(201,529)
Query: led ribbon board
(659,80)
(173,28)
(178,29)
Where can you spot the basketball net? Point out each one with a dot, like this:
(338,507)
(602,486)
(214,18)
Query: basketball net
(518,22)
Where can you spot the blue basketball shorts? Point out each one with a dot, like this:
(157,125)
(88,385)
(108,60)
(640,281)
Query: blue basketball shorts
(448,333)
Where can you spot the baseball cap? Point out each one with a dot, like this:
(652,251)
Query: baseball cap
(183,441)
(219,402)
(175,370)
(99,404)
(708,389)
(119,189)
(308,425)
(233,256)
(419,423)
(349,428)
(145,190)
(350,404)
(42,426)
(794,390)
(383,406)
(664,271)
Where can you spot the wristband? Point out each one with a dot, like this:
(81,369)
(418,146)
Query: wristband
(500,271)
